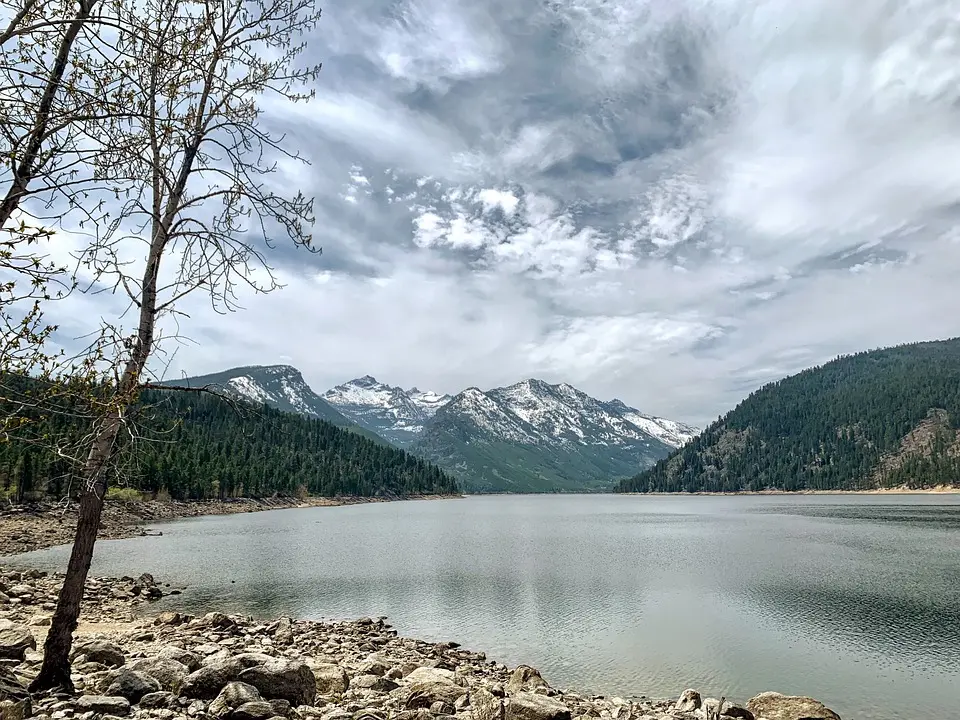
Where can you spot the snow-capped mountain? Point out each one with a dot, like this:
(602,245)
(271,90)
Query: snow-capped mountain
(280,386)
(538,436)
(392,412)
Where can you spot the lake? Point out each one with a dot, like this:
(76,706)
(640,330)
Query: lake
(854,600)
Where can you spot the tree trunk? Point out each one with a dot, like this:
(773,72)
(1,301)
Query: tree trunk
(55,671)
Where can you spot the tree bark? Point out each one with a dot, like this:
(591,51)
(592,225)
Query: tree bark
(55,671)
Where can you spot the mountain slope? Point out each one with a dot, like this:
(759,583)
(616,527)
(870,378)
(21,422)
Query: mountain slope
(198,446)
(536,437)
(884,418)
(392,412)
(279,386)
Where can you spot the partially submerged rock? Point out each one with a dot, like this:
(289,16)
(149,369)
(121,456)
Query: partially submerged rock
(775,706)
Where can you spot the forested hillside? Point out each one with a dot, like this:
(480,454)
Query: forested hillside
(884,418)
(200,446)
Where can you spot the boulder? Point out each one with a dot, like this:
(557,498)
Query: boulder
(100,651)
(207,682)
(252,659)
(531,706)
(103,704)
(257,710)
(133,685)
(688,701)
(484,705)
(373,667)
(158,700)
(431,685)
(185,657)
(16,710)
(168,617)
(169,673)
(525,678)
(774,706)
(281,707)
(233,695)
(331,679)
(284,679)
(218,620)
(15,640)
(377,683)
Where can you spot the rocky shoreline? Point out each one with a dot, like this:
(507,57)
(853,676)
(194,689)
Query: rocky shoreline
(129,662)
(35,526)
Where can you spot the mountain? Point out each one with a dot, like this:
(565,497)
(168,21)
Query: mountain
(391,412)
(279,386)
(536,437)
(195,446)
(883,418)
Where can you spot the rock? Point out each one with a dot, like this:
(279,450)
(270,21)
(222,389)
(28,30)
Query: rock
(427,674)
(736,711)
(156,700)
(280,707)
(442,708)
(15,710)
(218,620)
(169,673)
(100,651)
(525,678)
(430,685)
(257,710)
(233,695)
(688,701)
(207,682)
(484,705)
(185,657)
(133,685)
(146,580)
(373,682)
(15,640)
(530,706)
(331,679)
(288,680)
(103,704)
(774,706)
(373,667)
(168,618)
(252,659)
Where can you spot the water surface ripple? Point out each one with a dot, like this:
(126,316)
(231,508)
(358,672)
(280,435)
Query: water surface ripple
(851,599)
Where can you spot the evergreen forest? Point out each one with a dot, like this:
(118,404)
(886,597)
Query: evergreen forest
(882,418)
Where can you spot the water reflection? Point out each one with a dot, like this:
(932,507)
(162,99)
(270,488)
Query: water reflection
(851,599)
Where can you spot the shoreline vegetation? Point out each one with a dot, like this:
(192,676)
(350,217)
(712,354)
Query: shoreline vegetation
(133,658)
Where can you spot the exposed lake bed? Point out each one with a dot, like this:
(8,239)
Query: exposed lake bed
(850,599)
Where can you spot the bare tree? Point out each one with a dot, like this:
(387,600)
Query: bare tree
(204,216)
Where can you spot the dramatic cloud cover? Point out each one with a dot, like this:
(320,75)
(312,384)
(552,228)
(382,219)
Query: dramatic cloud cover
(665,201)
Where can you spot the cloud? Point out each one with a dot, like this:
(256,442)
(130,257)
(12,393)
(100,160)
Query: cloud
(669,203)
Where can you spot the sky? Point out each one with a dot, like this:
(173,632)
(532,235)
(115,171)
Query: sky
(669,202)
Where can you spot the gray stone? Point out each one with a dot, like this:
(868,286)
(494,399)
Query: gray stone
(530,706)
(373,682)
(233,695)
(373,667)
(207,682)
(103,704)
(484,705)
(133,685)
(525,678)
(280,707)
(430,685)
(100,651)
(16,710)
(775,706)
(331,679)
(257,710)
(169,673)
(288,680)
(156,700)
(187,658)
(15,640)
(688,701)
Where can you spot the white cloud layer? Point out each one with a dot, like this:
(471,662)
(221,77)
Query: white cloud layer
(670,203)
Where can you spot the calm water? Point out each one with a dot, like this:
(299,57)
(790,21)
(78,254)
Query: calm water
(852,599)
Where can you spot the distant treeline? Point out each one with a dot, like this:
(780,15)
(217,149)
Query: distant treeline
(840,426)
(196,446)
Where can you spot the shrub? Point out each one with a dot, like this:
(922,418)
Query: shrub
(124,494)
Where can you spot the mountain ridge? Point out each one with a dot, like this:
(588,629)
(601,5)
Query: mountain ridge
(876,419)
